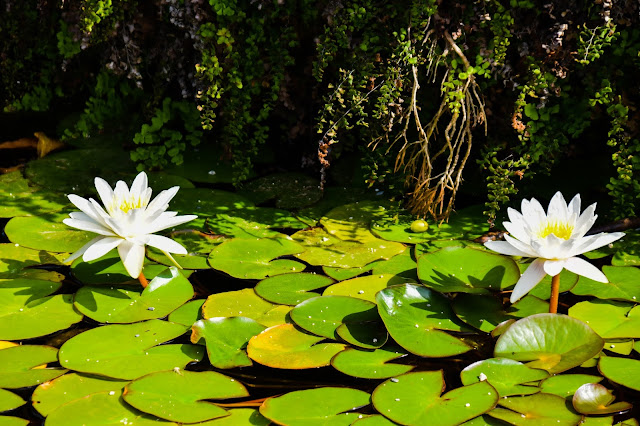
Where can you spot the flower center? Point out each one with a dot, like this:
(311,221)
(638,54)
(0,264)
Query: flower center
(124,205)
(559,229)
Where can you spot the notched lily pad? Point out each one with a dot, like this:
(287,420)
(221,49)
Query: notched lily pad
(291,289)
(624,371)
(371,364)
(22,366)
(622,285)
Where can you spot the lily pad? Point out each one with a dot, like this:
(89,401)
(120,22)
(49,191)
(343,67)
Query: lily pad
(226,339)
(31,202)
(9,401)
(332,197)
(204,164)
(166,292)
(180,395)
(549,341)
(207,203)
(403,266)
(507,376)
(15,261)
(398,228)
(415,399)
(619,346)
(283,346)
(291,289)
(13,421)
(350,222)
(188,313)
(365,334)
(467,270)
(254,258)
(244,222)
(302,407)
(565,385)
(373,420)
(110,270)
(610,319)
(624,371)
(622,285)
(540,410)
(244,303)
(198,244)
(340,274)
(51,395)
(128,351)
(371,364)
(289,190)
(239,416)
(21,366)
(595,399)
(362,287)
(323,249)
(46,233)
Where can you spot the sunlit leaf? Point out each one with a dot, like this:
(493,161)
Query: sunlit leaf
(541,409)
(608,318)
(622,285)
(593,398)
(507,376)
(21,366)
(371,364)
(624,371)
(244,303)
(291,289)
(565,385)
(9,401)
(46,233)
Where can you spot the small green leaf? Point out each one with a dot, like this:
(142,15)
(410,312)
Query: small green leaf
(371,364)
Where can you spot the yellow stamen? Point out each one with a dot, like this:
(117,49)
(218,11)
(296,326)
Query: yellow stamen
(559,229)
(130,204)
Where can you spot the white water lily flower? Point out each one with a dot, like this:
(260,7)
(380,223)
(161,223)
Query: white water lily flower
(128,221)
(555,238)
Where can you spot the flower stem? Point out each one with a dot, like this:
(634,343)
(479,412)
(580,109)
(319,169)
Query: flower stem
(143,280)
(555,290)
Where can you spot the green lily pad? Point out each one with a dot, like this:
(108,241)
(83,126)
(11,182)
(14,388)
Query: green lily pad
(371,364)
(323,249)
(467,270)
(398,228)
(21,366)
(507,376)
(204,164)
(198,244)
(608,318)
(110,270)
(283,346)
(9,401)
(188,313)
(350,222)
(403,266)
(239,416)
(415,399)
(226,339)
(619,346)
(593,398)
(540,409)
(15,261)
(542,290)
(289,190)
(166,292)
(565,385)
(622,285)
(365,334)
(53,394)
(302,407)
(179,395)
(13,421)
(101,409)
(207,203)
(46,233)
(128,351)
(487,312)
(332,197)
(254,258)
(627,250)
(484,420)
(624,371)
(435,245)
(244,222)
(291,289)
(341,274)
(362,287)
(414,317)
(549,341)
(244,303)
(14,181)
(373,420)
(30,202)
(324,314)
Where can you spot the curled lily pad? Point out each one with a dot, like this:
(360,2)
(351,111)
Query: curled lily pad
(371,364)
(622,285)
(624,371)
(467,270)
(507,376)
(128,351)
(244,303)
(291,289)
(302,407)
(46,233)
(593,398)
(550,342)
(283,346)
(415,317)
(608,318)
(565,385)
(362,287)
(164,294)
(416,399)
(226,339)
(537,409)
(180,395)
(21,366)
(254,258)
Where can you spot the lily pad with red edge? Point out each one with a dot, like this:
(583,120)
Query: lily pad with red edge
(291,289)
(304,408)
(416,316)
(283,346)
(622,285)
(624,371)
(364,287)
(324,314)
(565,385)
(371,364)
(549,341)
(536,410)
(51,395)
(417,399)
(22,366)
(610,319)
(256,258)
(226,339)
(183,396)
(164,294)
(507,376)
(467,270)
(129,351)
(595,399)
(244,303)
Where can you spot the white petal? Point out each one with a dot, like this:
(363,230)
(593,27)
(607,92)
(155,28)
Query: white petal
(529,279)
(88,226)
(553,267)
(121,191)
(85,206)
(164,222)
(552,247)
(593,242)
(503,247)
(574,205)
(139,185)
(584,222)
(100,248)
(519,245)
(166,244)
(533,213)
(104,191)
(582,267)
(161,202)
(558,208)
(517,231)
(82,249)
(132,256)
